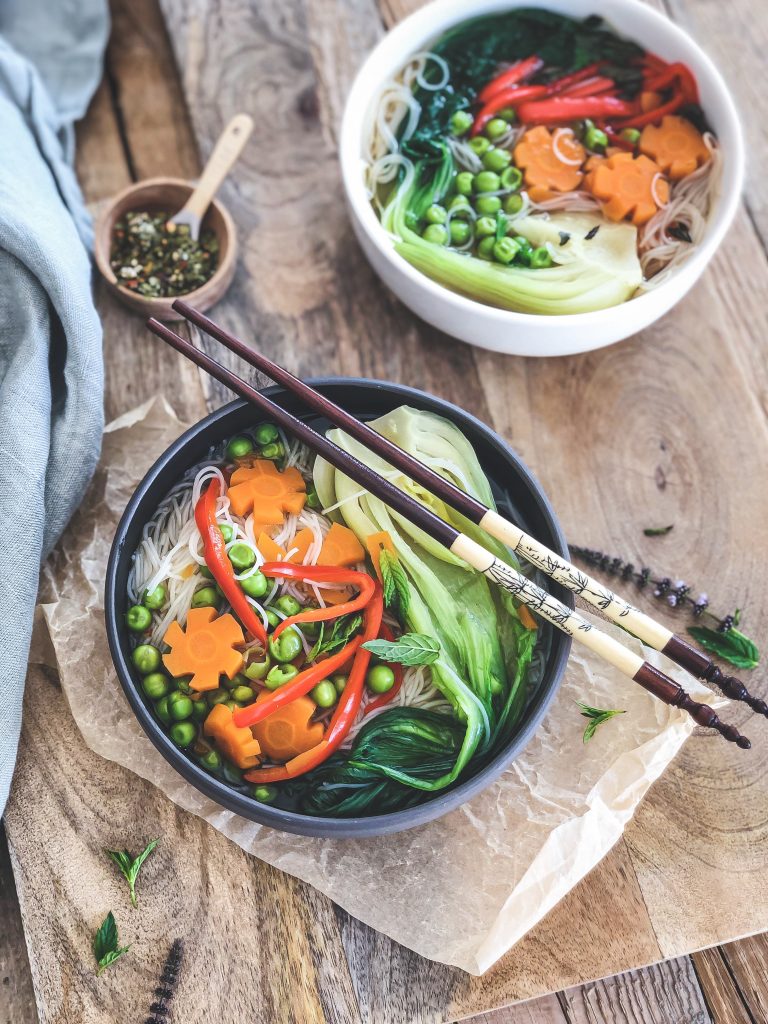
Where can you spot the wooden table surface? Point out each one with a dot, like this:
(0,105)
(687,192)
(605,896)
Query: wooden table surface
(689,398)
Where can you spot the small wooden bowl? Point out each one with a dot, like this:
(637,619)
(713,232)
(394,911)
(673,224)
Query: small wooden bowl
(165,195)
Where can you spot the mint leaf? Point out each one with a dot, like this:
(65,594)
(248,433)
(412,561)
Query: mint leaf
(129,867)
(408,649)
(341,633)
(106,949)
(732,646)
(596,718)
(397,589)
(658,531)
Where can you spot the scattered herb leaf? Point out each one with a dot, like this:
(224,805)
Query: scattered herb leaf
(596,717)
(340,634)
(130,867)
(658,531)
(592,232)
(408,649)
(564,237)
(732,646)
(397,590)
(106,947)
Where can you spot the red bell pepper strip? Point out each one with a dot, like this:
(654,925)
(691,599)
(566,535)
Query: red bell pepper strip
(344,715)
(560,85)
(217,560)
(638,121)
(614,139)
(591,87)
(518,72)
(322,574)
(562,109)
(299,686)
(385,698)
(506,98)
(673,73)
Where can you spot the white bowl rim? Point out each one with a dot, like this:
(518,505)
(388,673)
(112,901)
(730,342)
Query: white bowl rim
(436,17)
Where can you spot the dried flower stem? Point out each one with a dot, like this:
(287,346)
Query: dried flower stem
(166,988)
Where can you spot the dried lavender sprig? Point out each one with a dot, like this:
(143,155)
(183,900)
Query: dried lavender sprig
(677,593)
(166,987)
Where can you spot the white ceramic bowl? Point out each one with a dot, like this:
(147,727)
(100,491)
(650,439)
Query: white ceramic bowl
(524,333)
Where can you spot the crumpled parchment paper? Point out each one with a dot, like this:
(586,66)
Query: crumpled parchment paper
(478,879)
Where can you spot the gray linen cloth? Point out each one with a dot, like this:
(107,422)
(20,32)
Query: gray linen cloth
(51,377)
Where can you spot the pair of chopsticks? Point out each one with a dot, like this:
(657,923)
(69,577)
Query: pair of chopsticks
(523,589)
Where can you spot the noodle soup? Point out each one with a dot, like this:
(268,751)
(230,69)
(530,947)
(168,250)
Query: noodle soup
(541,164)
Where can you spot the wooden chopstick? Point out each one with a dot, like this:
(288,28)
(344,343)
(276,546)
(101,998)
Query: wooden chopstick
(612,605)
(523,589)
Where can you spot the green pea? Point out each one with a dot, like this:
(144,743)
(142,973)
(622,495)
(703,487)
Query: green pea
(206,597)
(479,145)
(435,233)
(243,694)
(239,447)
(485,247)
(161,710)
(138,618)
(287,646)
(512,178)
(206,572)
(273,450)
(211,760)
(497,160)
(217,696)
(324,694)
(631,135)
(460,232)
(486,181)
(496,127)
(313,501)
(485,226)
(540,258)
(436,214)
(459,206)
(266,433)
(183,684)
(279,675)
(264,794)
(237,680)
(227,532)
(508,114)
(487,206)
(310,629)
(526,251)
(155,685)
(232,705)
(339,681)
(242,557)
(182,733)
(255,585)
(595,138)
(464,183)
(258,669)
(155,599)
(513,204)
(461,122)
(505,250)
(146,658)
(273,620)
(380,679)
(231,772)
(179,706)
(199,710)
(288,604)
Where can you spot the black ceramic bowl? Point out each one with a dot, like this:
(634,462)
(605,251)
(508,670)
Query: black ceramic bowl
(516,491)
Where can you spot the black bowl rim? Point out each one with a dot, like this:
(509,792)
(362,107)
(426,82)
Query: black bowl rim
(291,821)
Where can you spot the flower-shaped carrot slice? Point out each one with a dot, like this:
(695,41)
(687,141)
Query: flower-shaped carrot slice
(298,547)
(288,731)
(340,547)
(205,650)
(539,155)
(631,187)
(676,145)
(266,491)
(234,742)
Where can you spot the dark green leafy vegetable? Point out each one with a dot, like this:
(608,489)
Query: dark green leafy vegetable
(397,589)
(732,645)
(596,717)
(408,649)
(106,947)
(658,531)
(130,867)
(399,753)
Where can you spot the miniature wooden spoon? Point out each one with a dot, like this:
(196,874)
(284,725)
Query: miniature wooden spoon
(226,151)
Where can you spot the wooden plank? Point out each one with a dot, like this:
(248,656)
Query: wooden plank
(17,997)
(747,963)
(721,991)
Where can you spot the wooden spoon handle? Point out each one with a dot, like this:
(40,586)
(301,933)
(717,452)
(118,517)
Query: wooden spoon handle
(227,149)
